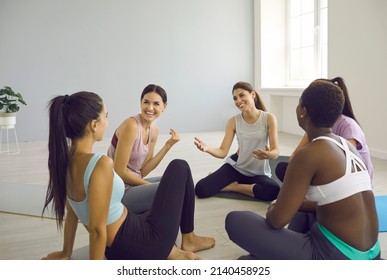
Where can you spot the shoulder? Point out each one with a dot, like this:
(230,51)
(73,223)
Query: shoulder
(232,120)
(131,121)
(104,162)
(270,116)
(231,126)
(271,120)
(155,129)
(343,119)
(102,175)
(128,126)
(103,169)
(308,157)
(347,127)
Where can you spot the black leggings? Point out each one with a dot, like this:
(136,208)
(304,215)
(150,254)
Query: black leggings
(151,235)
(280,170)
(265,188)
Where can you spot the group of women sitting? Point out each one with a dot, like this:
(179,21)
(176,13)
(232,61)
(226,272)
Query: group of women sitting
(324,208)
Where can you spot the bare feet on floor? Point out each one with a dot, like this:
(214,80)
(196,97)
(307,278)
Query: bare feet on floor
(194,243)
(178,254)
(246,189)
(230,188)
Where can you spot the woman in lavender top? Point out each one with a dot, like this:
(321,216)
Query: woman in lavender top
(133,150)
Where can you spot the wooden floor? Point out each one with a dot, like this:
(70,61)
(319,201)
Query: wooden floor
(24,237)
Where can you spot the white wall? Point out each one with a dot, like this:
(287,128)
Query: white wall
(196,50)
(357,51)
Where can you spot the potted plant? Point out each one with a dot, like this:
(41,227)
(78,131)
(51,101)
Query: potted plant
(9,105)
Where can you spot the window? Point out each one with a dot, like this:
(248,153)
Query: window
(307,41)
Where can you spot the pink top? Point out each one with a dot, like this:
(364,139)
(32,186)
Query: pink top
(139,150)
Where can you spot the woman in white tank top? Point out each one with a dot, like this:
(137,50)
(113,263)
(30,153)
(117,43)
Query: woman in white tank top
(247,171)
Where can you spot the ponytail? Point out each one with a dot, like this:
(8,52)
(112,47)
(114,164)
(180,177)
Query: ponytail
(259,102)
(69,116)
(347,110)
(58,159)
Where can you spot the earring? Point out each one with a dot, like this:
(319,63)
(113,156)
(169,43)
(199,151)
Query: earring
(302,116)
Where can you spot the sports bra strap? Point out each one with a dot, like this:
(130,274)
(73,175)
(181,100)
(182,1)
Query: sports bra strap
(353,162)
(89,169)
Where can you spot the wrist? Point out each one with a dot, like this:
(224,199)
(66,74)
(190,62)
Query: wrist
(167,146)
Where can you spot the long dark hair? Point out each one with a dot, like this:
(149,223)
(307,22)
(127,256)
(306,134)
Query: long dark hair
(257,100)
(347,110)
(68,118)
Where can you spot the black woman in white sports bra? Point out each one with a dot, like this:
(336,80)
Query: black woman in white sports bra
(327,178)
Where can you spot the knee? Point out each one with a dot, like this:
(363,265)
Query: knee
(280,170)
(231,221)
(179,164)
(266,192)
(230,218)
(201,190)
(235,225)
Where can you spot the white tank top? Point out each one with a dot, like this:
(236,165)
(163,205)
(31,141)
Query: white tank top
(251,137)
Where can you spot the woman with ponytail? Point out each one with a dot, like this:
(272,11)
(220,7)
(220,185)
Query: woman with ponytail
(85,185)
(247,171)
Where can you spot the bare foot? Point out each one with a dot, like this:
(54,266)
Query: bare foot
(230,187)
(178,254)
(194,243)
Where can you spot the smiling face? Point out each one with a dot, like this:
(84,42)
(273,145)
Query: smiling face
(243,99)
(151,106)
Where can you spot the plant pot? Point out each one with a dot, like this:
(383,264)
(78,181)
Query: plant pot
(7,120)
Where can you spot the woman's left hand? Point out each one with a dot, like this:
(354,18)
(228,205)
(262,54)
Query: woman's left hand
(175,137)
(262,154)
(60,255)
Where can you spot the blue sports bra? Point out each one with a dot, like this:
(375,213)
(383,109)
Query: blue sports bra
(116,208)
(356,179)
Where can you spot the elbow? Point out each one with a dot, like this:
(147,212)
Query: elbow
(97,233)
(120,172)
(145,172)
(274,223)
(274,154)
(222,154)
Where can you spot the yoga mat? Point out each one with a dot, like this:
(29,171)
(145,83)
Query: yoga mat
(25,199)
(381,208)
(273,163)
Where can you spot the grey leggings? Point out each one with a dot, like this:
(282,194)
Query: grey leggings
(251,232)
(139,199)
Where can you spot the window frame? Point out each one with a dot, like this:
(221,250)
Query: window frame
(320,45)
